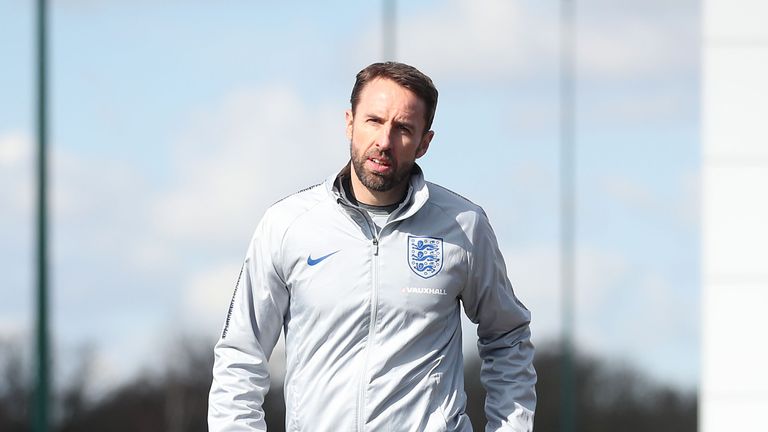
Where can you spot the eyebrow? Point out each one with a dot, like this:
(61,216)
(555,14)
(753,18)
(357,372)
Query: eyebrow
(398,123)
(403,123)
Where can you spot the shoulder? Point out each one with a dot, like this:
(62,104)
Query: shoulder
(283,213)
(307,197)
(468,215)
(451,202)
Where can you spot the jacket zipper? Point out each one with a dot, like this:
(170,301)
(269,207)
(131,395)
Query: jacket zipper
(371,323)
(359,414)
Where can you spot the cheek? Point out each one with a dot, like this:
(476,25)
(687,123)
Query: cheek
(362,133)
(410,148)
(358,144)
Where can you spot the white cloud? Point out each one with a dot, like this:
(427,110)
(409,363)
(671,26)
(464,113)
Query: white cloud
(620,310)
(87,187)
(15,149)
(16,176)
(206,297)
(166,248)
(12,330)
(230,161)
(486,40)
(233,160)
(674,312)
(627,39)
(16,233)
(624,45)
(205,304)
(681,209)
(501,39)
(630,192)
(640,107)
(658,332)
(535,274)
(598,273)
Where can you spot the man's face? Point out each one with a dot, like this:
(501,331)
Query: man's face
(386,135)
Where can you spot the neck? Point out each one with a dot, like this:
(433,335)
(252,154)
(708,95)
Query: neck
(377,198)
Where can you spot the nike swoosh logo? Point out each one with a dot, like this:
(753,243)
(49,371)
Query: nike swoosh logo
(312,262)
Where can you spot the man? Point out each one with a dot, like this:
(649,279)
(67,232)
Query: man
(365,273)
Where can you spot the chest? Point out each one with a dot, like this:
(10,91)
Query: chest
(412,268)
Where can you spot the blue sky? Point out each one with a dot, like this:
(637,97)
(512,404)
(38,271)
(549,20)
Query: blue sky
(174,125)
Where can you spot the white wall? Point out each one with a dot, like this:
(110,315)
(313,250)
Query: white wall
(734,391)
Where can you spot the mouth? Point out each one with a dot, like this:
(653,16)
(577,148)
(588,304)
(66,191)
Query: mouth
(380,165)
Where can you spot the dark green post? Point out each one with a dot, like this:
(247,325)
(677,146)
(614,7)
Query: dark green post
(568,212)
(41,394)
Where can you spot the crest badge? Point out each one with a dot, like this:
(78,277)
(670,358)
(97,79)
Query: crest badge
(425,255)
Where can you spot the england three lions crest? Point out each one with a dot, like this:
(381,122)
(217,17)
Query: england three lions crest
(425,255)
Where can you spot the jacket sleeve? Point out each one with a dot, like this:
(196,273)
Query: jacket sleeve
(504,343)
(252,327)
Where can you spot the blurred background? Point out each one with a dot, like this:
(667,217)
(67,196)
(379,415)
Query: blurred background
(173,125)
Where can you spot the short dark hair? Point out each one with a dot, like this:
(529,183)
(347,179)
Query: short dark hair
(404,75)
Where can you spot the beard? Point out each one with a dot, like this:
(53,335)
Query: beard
(377,181)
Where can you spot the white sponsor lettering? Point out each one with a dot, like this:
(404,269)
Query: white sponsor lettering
(432,291)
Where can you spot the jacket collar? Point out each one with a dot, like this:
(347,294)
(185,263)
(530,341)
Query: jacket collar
(418,192)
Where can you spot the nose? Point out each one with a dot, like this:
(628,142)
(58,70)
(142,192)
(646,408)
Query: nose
(384,138)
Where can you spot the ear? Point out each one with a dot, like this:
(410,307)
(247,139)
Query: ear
(424,145)
(349,118)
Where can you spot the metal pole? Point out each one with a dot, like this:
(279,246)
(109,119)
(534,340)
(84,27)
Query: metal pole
(568,212)
(42,389)
(389,13)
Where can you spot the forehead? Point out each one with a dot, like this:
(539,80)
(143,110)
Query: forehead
(385,97)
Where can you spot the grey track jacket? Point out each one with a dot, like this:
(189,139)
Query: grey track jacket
(372,324)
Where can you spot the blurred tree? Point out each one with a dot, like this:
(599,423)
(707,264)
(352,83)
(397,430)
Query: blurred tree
(15,389)
(611,397)
(71,399)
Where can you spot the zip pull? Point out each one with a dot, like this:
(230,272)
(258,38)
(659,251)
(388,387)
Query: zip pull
(376,246)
